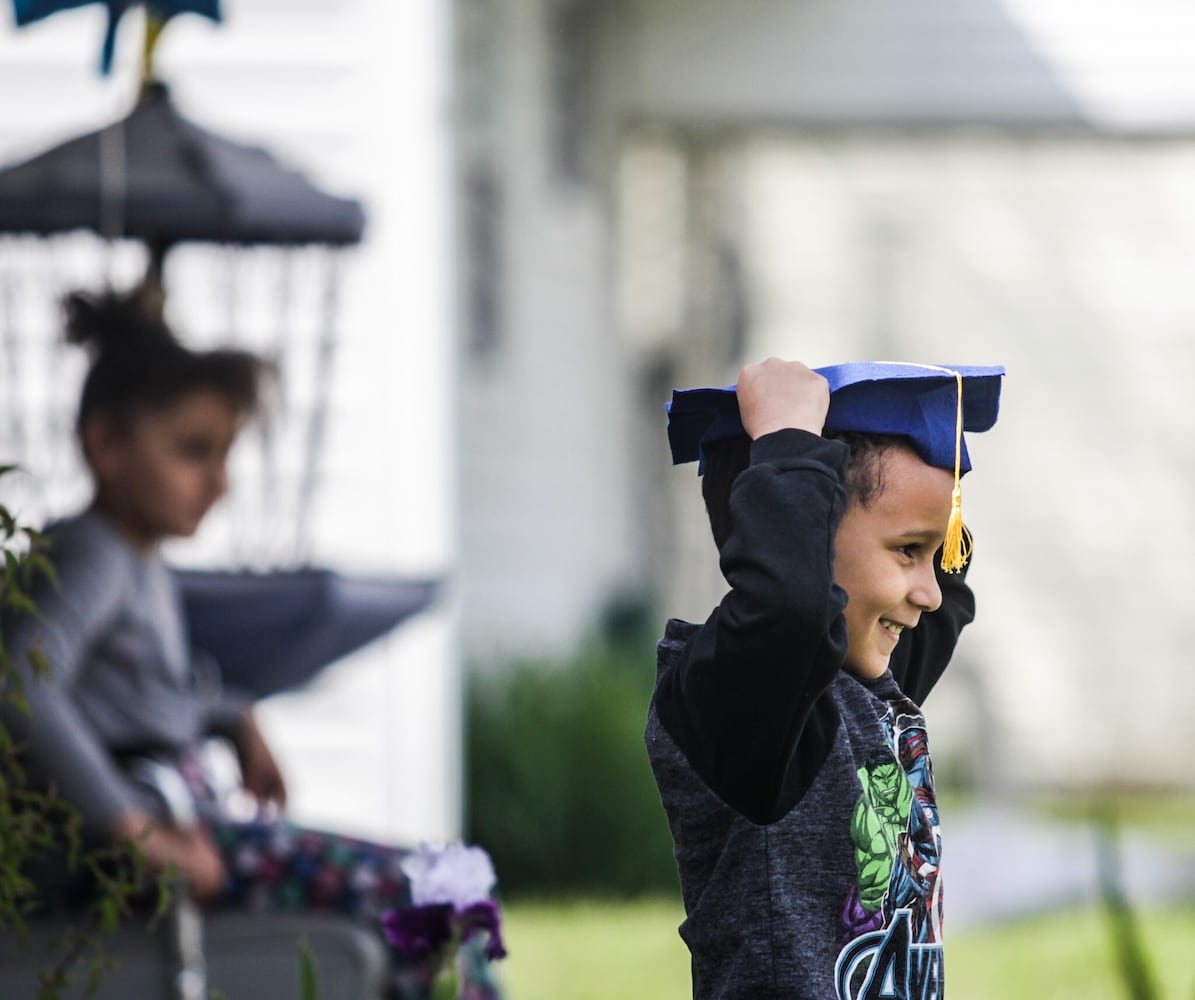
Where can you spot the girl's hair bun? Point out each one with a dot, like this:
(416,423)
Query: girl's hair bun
(137,363)
(110,321)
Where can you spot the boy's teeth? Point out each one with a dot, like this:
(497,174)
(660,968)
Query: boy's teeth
(891,626)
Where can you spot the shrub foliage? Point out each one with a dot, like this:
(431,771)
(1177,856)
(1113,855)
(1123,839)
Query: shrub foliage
(559,789)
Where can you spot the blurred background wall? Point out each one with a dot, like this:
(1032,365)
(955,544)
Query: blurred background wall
(652,193)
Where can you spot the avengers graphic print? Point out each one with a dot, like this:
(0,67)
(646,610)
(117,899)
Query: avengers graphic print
(890,927)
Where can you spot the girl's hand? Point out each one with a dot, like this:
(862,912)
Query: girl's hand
(188,849)
(259,770)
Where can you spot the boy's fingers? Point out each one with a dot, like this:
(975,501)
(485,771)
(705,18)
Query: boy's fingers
(775,395)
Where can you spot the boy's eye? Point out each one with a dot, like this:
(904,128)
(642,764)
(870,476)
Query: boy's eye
(910,551)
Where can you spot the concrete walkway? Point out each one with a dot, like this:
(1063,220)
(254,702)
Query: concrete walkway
(1004,862)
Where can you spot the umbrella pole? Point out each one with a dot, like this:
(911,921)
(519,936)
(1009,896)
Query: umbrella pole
(154,23)
(318,417)
(151,295)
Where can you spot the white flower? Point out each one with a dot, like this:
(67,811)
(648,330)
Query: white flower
(453,874)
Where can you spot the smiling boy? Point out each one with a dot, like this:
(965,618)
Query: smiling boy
(785,732)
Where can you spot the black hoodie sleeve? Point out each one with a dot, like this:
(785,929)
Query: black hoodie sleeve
(744,703)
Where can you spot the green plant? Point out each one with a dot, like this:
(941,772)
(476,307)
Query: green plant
(308,978)
(1132,962)
(34,824)
(31,822)
(1164,816)
(559,789)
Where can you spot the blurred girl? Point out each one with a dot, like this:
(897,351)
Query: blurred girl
(156,424)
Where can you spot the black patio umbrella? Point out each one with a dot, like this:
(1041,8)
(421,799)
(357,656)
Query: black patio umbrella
(274,632)
(157,177)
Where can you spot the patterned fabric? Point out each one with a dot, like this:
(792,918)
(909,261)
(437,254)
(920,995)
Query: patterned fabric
(278,867)
(275,866)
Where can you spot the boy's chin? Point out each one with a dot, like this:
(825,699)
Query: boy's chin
(868,668)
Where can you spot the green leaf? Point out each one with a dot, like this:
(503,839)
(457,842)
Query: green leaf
(19,602)
(165,895)
(37,660)
(447,985)
(16,697)
(308,981)
(98,966)
(109,910)
(38,563)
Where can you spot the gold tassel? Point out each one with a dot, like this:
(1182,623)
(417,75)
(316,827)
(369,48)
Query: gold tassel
(956,548)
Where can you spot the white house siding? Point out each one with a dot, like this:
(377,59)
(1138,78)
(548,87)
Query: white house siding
(947,181)
(704,61)
(546,534)
(1063,258)
(355,94)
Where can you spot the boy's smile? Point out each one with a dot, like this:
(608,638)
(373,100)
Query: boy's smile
(884,558)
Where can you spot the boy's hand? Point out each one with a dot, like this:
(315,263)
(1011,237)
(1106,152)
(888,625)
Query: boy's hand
(776,395)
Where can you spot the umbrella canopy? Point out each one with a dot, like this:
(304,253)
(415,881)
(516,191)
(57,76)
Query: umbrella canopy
(272,632)
(177,183)
(27,11)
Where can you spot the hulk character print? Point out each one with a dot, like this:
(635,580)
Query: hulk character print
(890,926)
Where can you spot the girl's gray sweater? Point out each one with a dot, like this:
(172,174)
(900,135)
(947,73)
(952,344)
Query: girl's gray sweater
(122,674)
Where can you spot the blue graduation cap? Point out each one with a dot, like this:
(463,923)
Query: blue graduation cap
(929,405)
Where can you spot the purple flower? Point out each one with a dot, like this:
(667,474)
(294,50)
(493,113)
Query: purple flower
(418,931)
(450,895)
(453,874)
(483,916)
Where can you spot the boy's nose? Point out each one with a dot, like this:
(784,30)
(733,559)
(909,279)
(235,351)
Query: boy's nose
(926,594)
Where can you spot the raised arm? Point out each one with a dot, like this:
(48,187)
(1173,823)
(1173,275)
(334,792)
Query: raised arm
(744,702)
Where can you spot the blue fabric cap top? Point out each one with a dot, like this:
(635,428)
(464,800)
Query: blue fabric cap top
(918,402)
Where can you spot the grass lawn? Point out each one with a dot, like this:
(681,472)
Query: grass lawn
(589,950)
(1069,956)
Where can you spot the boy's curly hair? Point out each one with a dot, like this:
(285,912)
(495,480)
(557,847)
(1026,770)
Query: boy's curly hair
(724,460)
